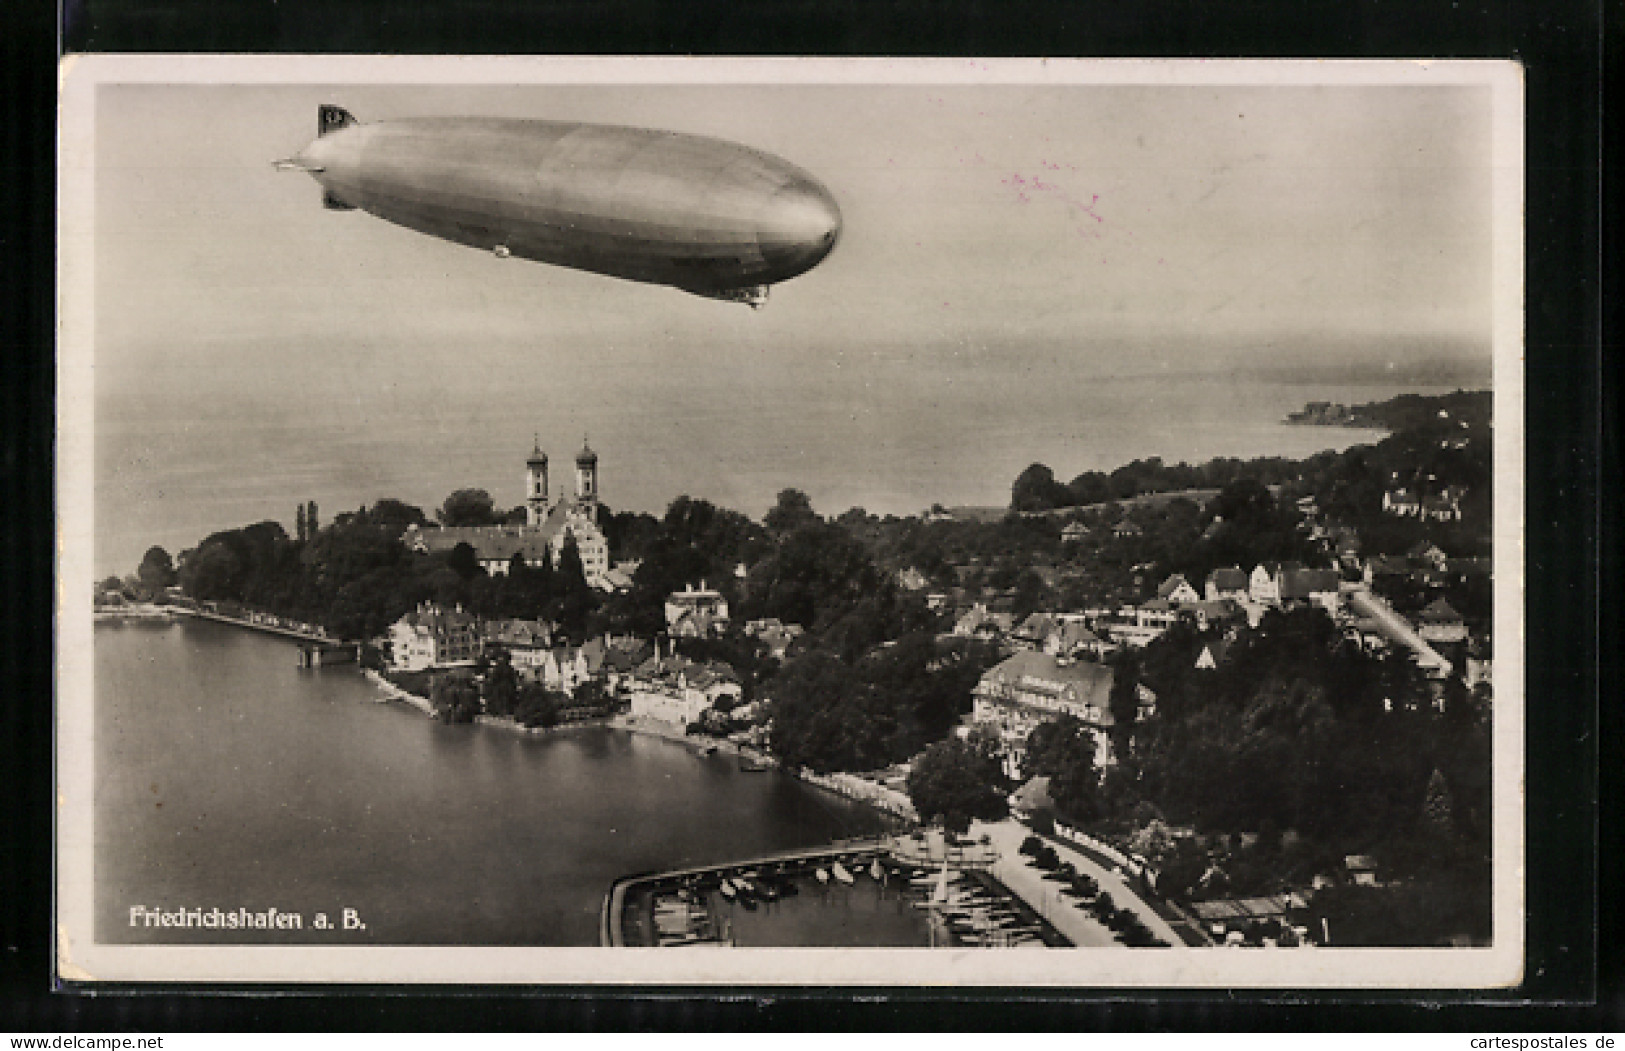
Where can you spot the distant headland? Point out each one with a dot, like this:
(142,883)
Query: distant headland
(1396,414)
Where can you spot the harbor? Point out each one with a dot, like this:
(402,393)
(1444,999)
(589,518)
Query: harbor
(892,891)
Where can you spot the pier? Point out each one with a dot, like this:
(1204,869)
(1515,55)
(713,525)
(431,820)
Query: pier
(320,655)
(610,917)
(317,649)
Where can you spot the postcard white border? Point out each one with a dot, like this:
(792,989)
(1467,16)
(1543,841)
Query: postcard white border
(1356,969)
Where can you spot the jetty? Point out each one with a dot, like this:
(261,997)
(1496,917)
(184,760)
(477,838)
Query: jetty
(317,649)
(611,917)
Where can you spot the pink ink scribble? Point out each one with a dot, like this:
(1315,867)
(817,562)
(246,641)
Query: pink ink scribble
(1027,187)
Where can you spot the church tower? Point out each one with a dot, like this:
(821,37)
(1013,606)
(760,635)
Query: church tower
(587,479)
(536,487)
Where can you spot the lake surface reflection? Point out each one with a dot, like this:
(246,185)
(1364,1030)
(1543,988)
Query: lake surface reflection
(226,777)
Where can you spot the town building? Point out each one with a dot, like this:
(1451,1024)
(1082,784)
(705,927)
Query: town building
(1031,687)
(1227,583)
(1216,614)
(1178,590)
(911,579)
(1439,622)
(774,634)
(1315,586)
(989,620)
(1263,585)
(549,525)
(1073,639)
(431,637)
(527,643)
(678,691)
(696,612)
(1443,505)
(1214,653)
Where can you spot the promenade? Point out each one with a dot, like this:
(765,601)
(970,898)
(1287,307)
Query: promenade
(1065,914)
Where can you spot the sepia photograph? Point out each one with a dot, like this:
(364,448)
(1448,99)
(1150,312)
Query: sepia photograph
(790,522)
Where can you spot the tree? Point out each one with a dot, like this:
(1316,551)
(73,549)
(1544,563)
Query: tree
(464,561)
(1245,501)
(299,525)
(955,783)
(573,599)
(156,572)
(1036,489)
(1063,749)
(1124,699)
(212,571)
(501,685)
(536,706)
(396,515)
(454,697)
(792,511)
(468,507)
(310,519)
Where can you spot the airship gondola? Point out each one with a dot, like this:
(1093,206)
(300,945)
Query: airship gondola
(704,215)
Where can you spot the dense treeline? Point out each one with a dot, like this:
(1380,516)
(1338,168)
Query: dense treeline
(355,577)
(1037,489)
(1436,441)
(831,714)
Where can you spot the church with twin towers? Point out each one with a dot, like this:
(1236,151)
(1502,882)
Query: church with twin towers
(549,523)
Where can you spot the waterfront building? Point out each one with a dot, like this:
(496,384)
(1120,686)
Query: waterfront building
(431,637)
(613,658)
(564,668)
(527,643)
(1031,687)
(548,525)
(679,691)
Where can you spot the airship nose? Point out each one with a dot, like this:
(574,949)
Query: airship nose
(799,227)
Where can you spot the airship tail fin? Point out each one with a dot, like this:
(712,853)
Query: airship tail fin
(331,118)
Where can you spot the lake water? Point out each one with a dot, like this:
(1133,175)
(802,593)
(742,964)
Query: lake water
(886,435)
(226,777)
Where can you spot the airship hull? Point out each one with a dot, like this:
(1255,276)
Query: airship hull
(700,214)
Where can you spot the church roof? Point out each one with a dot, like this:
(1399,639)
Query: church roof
(496,543)
(586,457)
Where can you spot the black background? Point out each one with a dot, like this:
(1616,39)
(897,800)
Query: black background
(1572,535)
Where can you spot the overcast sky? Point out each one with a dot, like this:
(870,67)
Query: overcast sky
(1050,233)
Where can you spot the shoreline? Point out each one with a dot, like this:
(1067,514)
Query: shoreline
(884,803)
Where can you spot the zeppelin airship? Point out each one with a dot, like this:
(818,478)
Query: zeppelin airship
(703,215)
